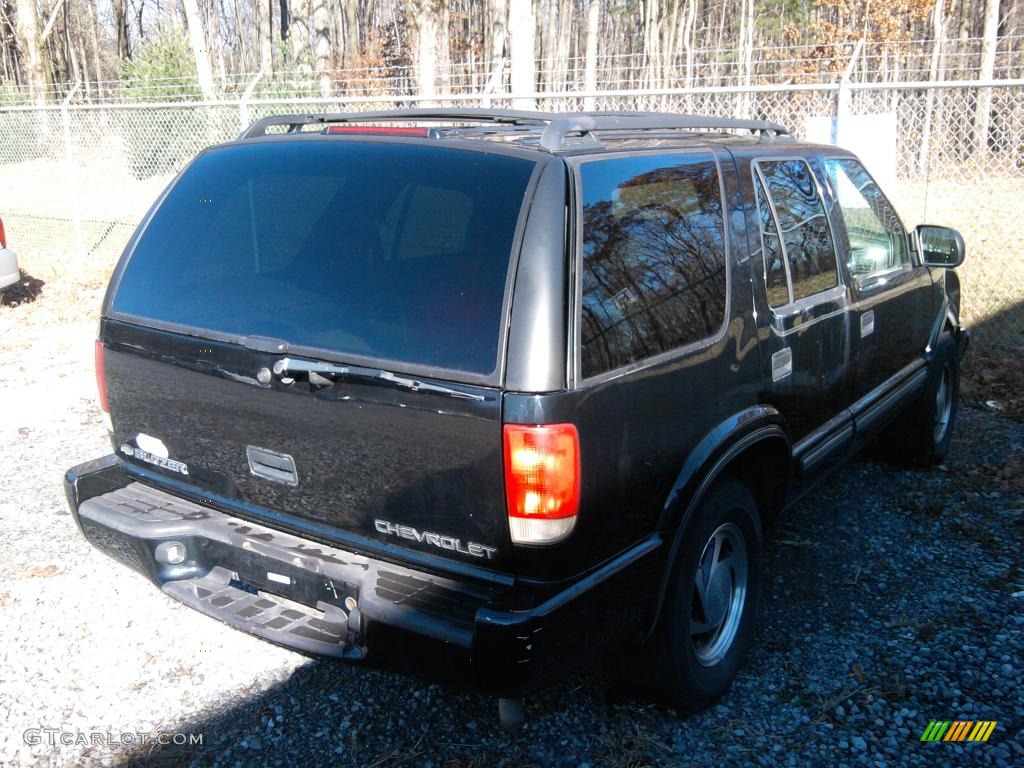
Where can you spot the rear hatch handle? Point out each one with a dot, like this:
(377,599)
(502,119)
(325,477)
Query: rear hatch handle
(288,365)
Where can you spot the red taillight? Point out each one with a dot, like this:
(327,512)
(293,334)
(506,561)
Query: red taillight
(542,481)
(382,131)
(101,378)
(3,235)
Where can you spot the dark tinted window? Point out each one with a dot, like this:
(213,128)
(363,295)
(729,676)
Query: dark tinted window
(803,225)
(774,255)
(654,267)
(391,251)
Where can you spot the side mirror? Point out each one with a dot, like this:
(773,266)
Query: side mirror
(939,246)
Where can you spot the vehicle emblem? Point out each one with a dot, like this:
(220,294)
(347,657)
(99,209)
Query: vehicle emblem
(435,539)
(153,451)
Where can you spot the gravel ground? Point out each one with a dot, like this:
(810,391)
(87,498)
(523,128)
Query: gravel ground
(893,598)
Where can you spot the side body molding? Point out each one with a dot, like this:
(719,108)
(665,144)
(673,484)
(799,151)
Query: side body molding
(705,463)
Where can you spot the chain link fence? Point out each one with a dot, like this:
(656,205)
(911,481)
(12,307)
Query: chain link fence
(75,179)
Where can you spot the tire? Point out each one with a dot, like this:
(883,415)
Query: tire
(924,432)
(709,614)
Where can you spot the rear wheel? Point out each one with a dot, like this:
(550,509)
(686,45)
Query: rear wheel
(711,606)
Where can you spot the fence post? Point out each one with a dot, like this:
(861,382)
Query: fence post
(243,105)
(845,95)
(69,169)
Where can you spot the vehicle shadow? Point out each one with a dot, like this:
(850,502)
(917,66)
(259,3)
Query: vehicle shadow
(327,712)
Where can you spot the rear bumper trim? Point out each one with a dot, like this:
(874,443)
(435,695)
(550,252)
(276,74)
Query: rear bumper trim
(322,599)
(327,630)
(309,529)
(144,517)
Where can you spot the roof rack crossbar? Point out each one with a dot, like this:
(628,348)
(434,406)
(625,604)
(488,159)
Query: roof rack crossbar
(295,122)
(558,130)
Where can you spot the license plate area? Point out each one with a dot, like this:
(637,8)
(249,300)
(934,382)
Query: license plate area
(256,573)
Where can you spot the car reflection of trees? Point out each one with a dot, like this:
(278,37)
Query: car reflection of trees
(656,266)
(803,226)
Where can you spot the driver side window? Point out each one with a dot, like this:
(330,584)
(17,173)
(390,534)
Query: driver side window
(878,241)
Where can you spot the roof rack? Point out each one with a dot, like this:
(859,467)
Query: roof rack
(295,123)
(559,131)
(557,135)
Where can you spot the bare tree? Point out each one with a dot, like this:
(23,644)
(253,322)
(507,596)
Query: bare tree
(120,13)
(429,22)
(938,32)
(499,28)
(590,67)
(298,36)
(351,31)
(322,44)
(200,48)
(266,11)
(989,41)
(33,63)
(521,39)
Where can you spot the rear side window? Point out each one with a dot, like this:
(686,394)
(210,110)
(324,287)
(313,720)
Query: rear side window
(654,257)
(794,226)
(385,251)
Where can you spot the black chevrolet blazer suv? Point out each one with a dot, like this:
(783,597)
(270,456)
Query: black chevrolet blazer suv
(488,396)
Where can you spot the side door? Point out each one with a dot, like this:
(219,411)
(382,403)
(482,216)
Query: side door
(808,328)
(892,309)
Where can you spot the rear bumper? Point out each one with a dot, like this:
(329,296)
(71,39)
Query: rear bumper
(317,598)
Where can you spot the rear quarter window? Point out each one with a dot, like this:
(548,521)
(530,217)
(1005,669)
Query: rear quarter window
(654,257)
(378,251)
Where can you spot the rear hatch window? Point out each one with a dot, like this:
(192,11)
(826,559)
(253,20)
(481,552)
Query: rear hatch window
(370,251)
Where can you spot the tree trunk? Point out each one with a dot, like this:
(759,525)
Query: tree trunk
(322,45)
(351,32)
(938,31)
(9,38)
(33,61)
(95,44)
(427,31)
(499,29)
(266,10)
(283,19)
(989,41)
(590,70)
(964,31)
(216,42)
(521,44)
(120,12)
(299,34)
(688,25)
(200,48)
